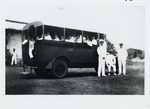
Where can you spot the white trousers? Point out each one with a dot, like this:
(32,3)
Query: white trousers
(101,67)
(122,66)
(113,66)
(14,59)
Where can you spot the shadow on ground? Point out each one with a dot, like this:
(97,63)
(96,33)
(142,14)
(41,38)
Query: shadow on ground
(69,75)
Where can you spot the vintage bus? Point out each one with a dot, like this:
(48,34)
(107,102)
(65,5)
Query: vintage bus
(51,50)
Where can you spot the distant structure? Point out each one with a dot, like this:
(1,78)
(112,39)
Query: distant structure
(13,38)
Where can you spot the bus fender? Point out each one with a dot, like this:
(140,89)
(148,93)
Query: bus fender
(49,66)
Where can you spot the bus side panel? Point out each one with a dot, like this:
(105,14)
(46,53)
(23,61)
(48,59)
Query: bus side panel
(25,53)
(47,51)
(38,47)
(86,56)
(79,56)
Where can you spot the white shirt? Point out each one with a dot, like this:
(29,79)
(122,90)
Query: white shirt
(110,59)
(56,39)
(80,39)
(72,39)
(25,41)
(89,43)
(31,45)
(122,53)
(94,42)
(101,51)
(48,37)
(14,54)
(84,39)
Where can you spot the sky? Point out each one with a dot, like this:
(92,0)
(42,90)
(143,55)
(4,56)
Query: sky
(124,24)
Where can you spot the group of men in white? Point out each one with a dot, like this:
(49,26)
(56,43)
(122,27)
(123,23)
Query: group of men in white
(110,60)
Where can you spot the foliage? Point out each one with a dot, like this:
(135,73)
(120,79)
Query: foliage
(111,47)
(134,53)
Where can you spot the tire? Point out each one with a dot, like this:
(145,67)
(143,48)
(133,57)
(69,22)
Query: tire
(42,72)
(60,69)
(21,63)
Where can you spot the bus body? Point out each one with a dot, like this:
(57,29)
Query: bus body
(55,57)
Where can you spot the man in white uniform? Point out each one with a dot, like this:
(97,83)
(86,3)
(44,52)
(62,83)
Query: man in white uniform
(14,57)
(111,62)
(122,56)
(101,50)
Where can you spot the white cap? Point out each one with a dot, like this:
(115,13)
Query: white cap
(101,40)
(108,53)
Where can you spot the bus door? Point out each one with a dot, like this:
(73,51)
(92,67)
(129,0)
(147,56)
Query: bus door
(28,45)
(25,47)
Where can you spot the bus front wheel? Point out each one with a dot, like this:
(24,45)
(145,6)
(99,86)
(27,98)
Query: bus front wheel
(60,69)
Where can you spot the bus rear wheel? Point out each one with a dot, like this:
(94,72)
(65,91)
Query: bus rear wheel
(60,69)
(42,72)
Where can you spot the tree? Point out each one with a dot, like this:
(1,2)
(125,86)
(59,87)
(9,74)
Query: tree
(134,53)
(111,47)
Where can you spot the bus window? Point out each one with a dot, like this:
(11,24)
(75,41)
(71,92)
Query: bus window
(48,36)
(70,38)
(39,33)
(94,40)
(73,36)
(87,40)
(55,33)
(56,38)
(102,36)
(79,38)
(90,38)
(32,35)
(62,38)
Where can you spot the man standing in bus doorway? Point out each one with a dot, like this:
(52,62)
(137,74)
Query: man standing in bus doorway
(14,57)
(101,50)
(122,56)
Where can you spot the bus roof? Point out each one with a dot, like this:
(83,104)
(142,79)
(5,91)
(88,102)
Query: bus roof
(39,23)
(35,24)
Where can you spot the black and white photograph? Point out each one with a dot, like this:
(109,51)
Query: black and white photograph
(75,50)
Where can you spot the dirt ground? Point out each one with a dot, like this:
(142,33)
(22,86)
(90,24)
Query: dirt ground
(78,81)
